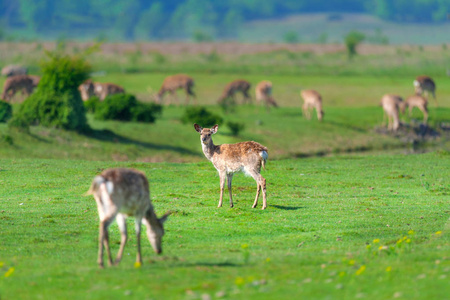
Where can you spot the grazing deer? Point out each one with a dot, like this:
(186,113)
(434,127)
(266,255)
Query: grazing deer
(13,70)
(86,89)
(391,105)
(172,83)
(311,100)
(35,79)
(231,158)
(102,90)
(13,84)
(263,92)
(120,193)
(231,88)
(424,84)
(416,101)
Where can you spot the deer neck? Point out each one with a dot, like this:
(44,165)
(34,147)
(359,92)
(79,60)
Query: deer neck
(209,149)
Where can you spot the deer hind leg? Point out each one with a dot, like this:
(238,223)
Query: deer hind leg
(138,240)
(104,240)
(229,179)
(121,222)
(222,187)
(261,185)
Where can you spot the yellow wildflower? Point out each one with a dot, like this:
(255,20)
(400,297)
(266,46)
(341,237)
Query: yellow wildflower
(1,264)
(268,259)
(239,281)
(137,265)
(351,262)
(438,232)
(375,241)
(388,269)
(244,246)
(411,232)
(361,270)
(408,241)
(9,272)
(341,274)
(368,247)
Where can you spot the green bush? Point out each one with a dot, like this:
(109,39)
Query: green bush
(5,111)
(200,115)
(353,39)
(235,127)
(57,102)
(125,107)
(91,104)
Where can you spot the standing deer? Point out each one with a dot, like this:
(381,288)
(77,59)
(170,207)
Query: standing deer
(172,83)
(263,92)
(13,84)
(424,84)
(231,158)
(231,88)
(120,193)
(86,89)
(13,70)
(416,101)
(102,90)
(311,100)
(391,105)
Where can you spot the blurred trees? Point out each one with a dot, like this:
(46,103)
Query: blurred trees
(182,18)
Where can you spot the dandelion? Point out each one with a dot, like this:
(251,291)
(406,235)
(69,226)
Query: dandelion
(408,241)
(244,246)
(137,265)
(351,262)
(360,270)
(438,232)
(239,281)
(9,272)
(411,232)
(399,242)
(388,269)
(368,247)
(267,259)
(375,241)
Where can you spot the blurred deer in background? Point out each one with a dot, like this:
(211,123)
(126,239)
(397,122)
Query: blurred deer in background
(391,105)
(14,84)
(416,101)
(228,159)
(172,83)
(14,70)
(263,92)
(120,193)
(233,87)
(424,84)
(103,90)
(311,100)
(86,89)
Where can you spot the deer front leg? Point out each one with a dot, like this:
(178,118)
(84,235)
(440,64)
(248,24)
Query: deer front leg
(222,187)
(229,179)
(103,241)
(258,189)
(263,187)
(121,222)
(138,240)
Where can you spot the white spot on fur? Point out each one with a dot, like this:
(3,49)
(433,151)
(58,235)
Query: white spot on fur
(416,83)
(109,187)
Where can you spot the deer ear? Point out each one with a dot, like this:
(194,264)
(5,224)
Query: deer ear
(214,129)
(198,128)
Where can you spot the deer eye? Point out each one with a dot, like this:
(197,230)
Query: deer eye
(209,134)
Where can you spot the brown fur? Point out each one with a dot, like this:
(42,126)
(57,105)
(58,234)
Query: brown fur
(14,70)
(235,86)
(231,158)
(86,89)
(312,99)
(120,193)
(416,101)
(13,84)
(263,92)
(424,84)
(175,82)
(391,104)
(102,90)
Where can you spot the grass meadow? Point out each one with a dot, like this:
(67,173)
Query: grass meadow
(350,216)
(349,227)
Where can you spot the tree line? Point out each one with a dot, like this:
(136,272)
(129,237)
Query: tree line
(178,19)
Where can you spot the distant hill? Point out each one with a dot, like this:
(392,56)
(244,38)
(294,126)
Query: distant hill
(331,28)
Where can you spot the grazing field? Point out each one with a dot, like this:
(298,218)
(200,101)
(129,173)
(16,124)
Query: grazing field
(343,227)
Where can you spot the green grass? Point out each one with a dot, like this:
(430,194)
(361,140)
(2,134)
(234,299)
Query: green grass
(311,242)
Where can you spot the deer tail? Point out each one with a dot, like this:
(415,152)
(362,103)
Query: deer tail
(98,180)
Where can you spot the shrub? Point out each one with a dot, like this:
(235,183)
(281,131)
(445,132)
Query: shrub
(201,116)
(91,104)
(57,102)
(353,39)
(235,127)
(5,111)
(125,107)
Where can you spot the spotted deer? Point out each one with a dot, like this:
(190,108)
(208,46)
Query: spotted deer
(312,99)
(263,92)
(424,84)
(102,90)
(228,159)
(416,101)
(14,84)
(175,82)
(233,87)
(391,105)
(120,193)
